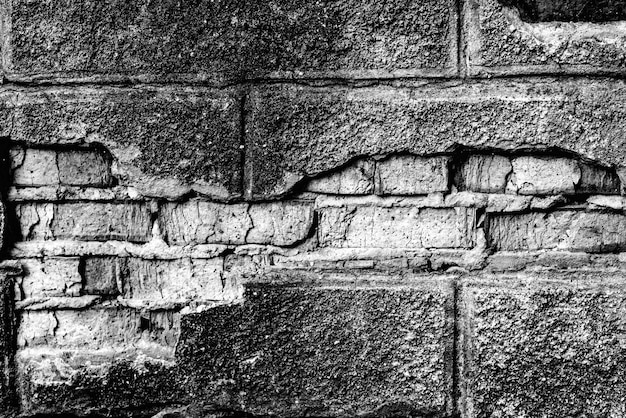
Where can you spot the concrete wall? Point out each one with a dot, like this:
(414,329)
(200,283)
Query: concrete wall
(313,208)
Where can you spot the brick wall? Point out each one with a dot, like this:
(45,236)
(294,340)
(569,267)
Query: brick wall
(323,209)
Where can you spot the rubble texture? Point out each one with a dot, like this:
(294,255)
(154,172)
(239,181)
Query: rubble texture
(290,209)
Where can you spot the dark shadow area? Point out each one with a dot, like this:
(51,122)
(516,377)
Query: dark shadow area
(569,10)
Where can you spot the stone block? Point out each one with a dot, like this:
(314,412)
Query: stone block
(544,175)
(174,280)
(164,40)
(93,329)
(563,230)
(500,42)
(84,168)
(355,179)
(484,173)
(166,141)
(52,276)
(381,227)
(550,345)
(202,222)
(103,275)
(297,131)
(34,167)
(85,221)
(325,349)
(280,223)
(410,175)
(595,179)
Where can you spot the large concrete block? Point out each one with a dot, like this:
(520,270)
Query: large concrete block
(550,345)
(295,131)
(325,348)
(165,141)
(500,41)
(164,39)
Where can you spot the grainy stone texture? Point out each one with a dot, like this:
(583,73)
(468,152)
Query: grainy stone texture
(234,40)
(52,276)
(569,10)
(296,131)
(180,139)
(500,42)
(84,168)
(325,351)
(355,179)
(34,167)
(85,221)
(84,382)
(407,175)
(382,227)
(544,345)
(564,230)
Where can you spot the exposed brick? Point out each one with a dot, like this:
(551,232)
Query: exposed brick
(94,328)
(165,141)
(563,230)
(85,221)
(234,39)
(340,350)
(52,276)
(84,168)
(544,344)
(396,227)
(34,167)
(296,131)
(598,180)
(282,223)
(102,275)
(356,179)
(544,175)
(407,175)
(484,173)
(182,279)
(202,222)
(499,42)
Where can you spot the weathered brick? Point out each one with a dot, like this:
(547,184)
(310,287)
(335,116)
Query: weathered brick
(485,173)
(297,131)
(103,275)
(500,42)
(182,279)
(282,223)
(381,227)
(563,230)
(202,222)
(236,39)
(598,180)
(355,179)
(52,276)
(329,350)
(84,168)
(95,328)
(34,167)
(547,345)
(544,175)
(166,141)
(85,221)
(406,175)
(100,383)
